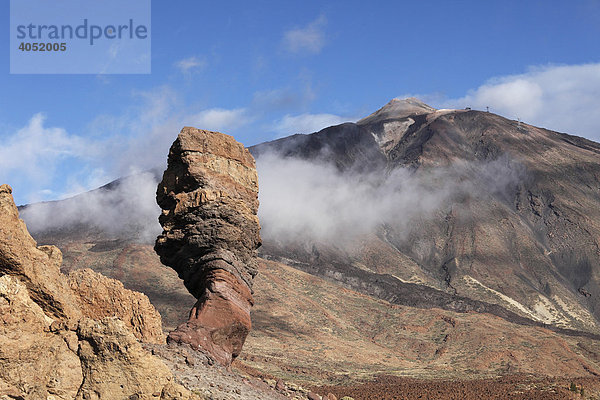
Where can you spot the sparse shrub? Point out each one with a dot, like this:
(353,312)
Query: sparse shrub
(582,392)
(573,387)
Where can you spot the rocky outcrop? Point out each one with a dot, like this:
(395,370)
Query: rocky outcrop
(73,337)
(209,197)
(115,366)
(114,362)
(99,297)
(67,299)
(35,363)
(37,267)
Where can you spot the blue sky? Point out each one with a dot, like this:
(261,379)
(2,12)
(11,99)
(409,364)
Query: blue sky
(265,69)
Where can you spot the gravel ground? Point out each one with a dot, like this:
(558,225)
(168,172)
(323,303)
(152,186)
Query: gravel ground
(518,387)
(199,373)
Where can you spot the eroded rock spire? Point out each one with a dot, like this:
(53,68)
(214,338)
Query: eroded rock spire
(209,197)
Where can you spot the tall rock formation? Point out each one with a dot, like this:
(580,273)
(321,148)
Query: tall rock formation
(209,197)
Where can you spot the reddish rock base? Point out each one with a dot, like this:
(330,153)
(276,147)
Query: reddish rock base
(220,320)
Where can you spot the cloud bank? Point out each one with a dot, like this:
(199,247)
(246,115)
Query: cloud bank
(300,201)
(314,201)
(127,210)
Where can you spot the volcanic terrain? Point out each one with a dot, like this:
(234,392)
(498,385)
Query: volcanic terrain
(492,270)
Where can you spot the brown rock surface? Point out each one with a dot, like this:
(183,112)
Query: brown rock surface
(37,267)
(34,363)
(67,299)
(209,197)
(114,363)
(99,297)
(49,350)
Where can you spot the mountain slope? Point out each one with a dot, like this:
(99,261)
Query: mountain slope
(311,331)
(524,235)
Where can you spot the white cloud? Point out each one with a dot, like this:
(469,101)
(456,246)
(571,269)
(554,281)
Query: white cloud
(563,98)
(33,153)
(219,119)
(305,123)
(313,201)
(46,163)
(190,64)
(309,39)
(129,209)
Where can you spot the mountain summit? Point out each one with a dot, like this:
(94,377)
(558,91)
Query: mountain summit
(396,109)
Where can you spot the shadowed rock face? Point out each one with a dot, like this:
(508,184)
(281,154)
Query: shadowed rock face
(209,197)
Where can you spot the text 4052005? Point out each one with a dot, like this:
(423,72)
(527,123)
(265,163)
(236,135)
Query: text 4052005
(24,46)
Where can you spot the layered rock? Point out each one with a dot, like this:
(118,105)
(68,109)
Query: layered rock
(209,197)
(74,337)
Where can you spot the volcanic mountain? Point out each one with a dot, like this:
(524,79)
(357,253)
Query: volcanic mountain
(484,252)
(524,233)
